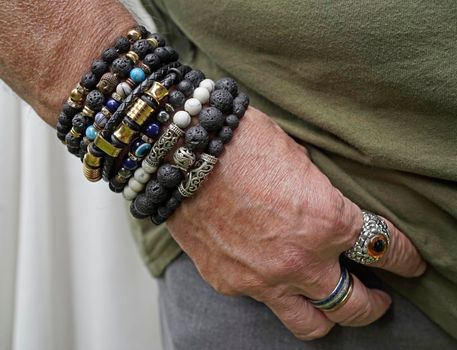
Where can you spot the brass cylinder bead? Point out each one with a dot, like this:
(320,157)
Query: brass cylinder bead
(134,35)
(91,160)
(88,112)
(76,95)
(74,133)
(106,146)
(133,56)
(157,91)
(92,174)
(74,104)
(140,112)
(124,133)
(153,42)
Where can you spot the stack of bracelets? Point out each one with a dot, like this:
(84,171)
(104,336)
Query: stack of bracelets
(130,122)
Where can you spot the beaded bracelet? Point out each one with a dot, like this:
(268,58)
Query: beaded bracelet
(90,81)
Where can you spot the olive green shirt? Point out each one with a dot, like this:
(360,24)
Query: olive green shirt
(369,86)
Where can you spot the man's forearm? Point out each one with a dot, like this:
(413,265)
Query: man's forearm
(47,45)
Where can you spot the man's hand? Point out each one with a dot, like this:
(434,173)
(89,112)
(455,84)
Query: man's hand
(268,224)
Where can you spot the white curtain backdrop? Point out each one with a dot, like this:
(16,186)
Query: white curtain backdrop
(70,275)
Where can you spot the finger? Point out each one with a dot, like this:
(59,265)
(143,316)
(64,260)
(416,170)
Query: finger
(300,317)
(401,257)
(364,306)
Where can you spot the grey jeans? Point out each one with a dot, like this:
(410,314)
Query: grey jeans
(195,317)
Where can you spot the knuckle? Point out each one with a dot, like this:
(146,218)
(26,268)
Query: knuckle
(223,288)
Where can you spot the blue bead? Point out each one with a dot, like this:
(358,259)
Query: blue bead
(91,133)
(100,119)
(130,164)
(137,75)
(143,150)
(152,130)
(112,105)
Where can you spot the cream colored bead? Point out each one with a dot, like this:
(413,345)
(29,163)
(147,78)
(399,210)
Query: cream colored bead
(182,119)
(207,84)
(201,94)
(135,185)
(192,106)
(141,176)
(148,168)
(129,194)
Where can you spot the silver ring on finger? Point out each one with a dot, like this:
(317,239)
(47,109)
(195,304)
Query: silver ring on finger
(338,296)
(373,241)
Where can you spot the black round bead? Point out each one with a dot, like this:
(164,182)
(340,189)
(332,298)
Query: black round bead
(185,87)
(238,110)
(73,150)
(64,119)
(169,176)
(156,192)
(61,136)
(232,121)
(144,204)
(196,138)
(71,141)
(159,39)
(122,66)
(95,100)
(99,67)
(141,48)
(69,110)
(176,99)
(225,134)
(172,204)
(122,44)
(164,211)
(61,128)
(243,99)
(174,56)
(115,186)
(227,84)
(216,147)
(195,76)
(89,81)
(178,196)
(211,118)
(143,31)
(135,213)
(152,61)
(222,100)
(163,54)
(83,145)
(109,55)
(157,219)
(79,123)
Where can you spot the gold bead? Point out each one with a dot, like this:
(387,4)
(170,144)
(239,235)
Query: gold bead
(140,112)
(88,112)
(145,68)
(92,174)
(106,112)
(107,83)
(124,133)
(133,35)
(74,104)
(133,56)
(157,91)
(76,96)
(153,42)
(91,160)
(106,147)
(74,133)
(116,96)
(84,91)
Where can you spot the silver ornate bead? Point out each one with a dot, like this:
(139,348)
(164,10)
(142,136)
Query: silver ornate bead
(197,175)
(166,142)
(184,158)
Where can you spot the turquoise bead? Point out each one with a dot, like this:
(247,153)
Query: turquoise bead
(137,75)
(91,133)
(142,150)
